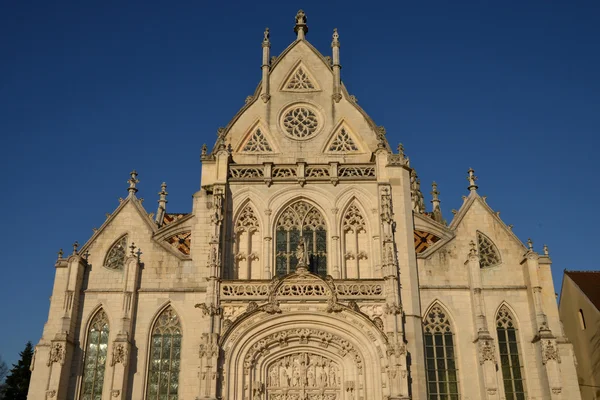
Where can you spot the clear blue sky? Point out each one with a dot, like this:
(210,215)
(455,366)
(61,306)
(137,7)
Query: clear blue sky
(89,91)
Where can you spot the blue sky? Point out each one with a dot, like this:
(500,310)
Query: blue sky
(90,91)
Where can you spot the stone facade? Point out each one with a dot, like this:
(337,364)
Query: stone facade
(307,269)
(579,310)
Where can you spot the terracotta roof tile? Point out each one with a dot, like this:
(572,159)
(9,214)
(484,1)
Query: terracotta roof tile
(589,283)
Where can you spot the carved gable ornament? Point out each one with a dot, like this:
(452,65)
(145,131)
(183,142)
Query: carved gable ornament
(342,140)
(300,79)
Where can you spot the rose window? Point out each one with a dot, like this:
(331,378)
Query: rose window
(300,122)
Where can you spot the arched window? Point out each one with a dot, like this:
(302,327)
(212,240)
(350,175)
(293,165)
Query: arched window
(165,356)
(489,256)
(95,357)
(581,319)
(442,377)
(300,221)
(355,244)
(115,258)
(510,361)
(247,245)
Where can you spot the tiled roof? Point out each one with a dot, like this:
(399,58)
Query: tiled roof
(172,217)
(589,283)
(423,240)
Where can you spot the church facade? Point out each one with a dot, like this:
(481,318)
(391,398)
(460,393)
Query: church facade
(308,268)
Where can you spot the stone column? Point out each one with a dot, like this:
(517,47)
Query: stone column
(61,347)
(545,340)
(488,376)
(121,346)
(397,365)
(269,271)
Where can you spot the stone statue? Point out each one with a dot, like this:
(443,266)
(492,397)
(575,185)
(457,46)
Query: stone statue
(301,253)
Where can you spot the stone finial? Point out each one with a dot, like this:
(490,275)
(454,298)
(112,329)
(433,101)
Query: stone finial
(75,246)
(546,252)
(437,211)
(204,149)
(60,253)
(132,248)
(530,244)
(336,38)
(301,28)
(86,255)
(472,178)
(473,250)
(401,150)
(266,42)
(132,182)
(434,192)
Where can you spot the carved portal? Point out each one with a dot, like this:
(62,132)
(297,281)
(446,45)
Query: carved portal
(304,376)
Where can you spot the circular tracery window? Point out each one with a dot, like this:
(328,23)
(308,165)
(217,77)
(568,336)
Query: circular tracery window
(300,122)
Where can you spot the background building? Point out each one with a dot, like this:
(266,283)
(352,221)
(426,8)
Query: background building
(579,311)
(308,268)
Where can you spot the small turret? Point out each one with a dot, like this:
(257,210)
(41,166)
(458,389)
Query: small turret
(301,28)
(162,204)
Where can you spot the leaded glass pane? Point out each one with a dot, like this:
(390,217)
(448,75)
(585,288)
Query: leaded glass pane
(442,381)
(165,353)
(300,221)
(509,355)
(95,357)
(115,258)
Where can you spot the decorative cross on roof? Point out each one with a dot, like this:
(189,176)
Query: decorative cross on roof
(132,182)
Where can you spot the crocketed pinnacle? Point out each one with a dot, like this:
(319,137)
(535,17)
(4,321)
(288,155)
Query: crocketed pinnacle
(301,28)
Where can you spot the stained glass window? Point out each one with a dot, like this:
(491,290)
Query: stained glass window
(512,370)
(115,258)
(95,357)
(300,221)
(489,255)
(442,372)
(165,356)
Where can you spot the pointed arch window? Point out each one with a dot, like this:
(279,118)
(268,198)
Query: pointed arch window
(95,357)
(165,356)
(355,244)
(489,255)
(442,373)
(115,258)
(300,221)
(510,359)
(247,245)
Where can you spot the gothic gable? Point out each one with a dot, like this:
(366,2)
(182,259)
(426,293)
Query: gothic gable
(300,79)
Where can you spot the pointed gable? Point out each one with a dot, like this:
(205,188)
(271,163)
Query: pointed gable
(300,79)
(257,143)
(342,140)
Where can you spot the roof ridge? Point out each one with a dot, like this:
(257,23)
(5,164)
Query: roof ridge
(584,271)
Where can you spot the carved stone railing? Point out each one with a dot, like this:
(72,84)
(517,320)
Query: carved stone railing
(257,290)
(301,172)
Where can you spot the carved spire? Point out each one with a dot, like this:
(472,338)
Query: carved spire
(437,211)
(75,246)
(546,251)
(415,193)
(472,178)
(132,182)
(204,149)
(162,204)
(530,244)
(60,254)
(301,28)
